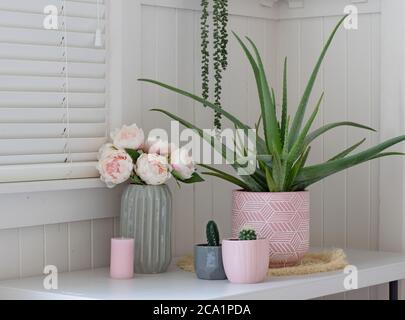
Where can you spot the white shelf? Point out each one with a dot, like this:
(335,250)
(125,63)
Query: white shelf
(374,268)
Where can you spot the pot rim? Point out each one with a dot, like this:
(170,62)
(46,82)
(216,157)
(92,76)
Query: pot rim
(256,192)
(235,240)
(130,184)
(205,245)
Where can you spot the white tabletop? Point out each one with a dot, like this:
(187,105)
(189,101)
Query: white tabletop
(373,268)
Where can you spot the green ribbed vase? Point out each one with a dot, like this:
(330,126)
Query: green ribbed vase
(146,216)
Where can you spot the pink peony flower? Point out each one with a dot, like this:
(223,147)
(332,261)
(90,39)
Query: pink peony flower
(182,162)
(115,168)
(128,137)
(158,146)
(153,169)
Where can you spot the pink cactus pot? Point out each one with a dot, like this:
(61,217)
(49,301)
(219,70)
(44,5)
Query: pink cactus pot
(281,218)
(245,261)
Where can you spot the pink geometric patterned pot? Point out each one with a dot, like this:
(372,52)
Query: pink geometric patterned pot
(281,218)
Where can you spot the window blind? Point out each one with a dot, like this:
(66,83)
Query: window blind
(52,90)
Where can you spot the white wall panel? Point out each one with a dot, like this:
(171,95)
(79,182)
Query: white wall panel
(57,246)
(80,245)
(10,254)
(31,251)
(102,231)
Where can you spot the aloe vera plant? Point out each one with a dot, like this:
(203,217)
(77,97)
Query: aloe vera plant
(283,150)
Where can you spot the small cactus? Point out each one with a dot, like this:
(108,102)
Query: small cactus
(212,234)
(247,234)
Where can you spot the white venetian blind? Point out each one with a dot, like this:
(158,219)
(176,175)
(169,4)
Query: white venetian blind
(52,90)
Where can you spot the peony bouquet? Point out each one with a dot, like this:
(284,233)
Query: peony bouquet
(153,161)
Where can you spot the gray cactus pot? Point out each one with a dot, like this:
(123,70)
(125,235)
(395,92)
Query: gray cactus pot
(208,262)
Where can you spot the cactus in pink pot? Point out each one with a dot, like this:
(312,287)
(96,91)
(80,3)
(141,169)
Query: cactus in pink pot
(246,259)
(247,234)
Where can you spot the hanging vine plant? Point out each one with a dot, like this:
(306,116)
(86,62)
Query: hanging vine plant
(220,55)
(205,55)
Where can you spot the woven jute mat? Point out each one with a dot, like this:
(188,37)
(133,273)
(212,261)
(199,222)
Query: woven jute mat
(313,262)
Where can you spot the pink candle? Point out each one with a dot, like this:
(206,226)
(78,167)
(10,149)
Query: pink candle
(122,258)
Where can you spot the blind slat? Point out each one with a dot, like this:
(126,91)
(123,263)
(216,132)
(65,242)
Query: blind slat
(50,53)
(87,9)
(47,146)
(50,130)
(43,172)
(50,99)
(48,158)
(52,115)
(35,21)
(49,68)
(50,84)
(45,37)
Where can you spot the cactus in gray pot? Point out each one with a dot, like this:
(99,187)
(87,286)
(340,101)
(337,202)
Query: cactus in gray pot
(208,256)
(247,234)
(212,234)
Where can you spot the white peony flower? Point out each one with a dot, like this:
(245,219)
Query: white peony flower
(115,168)
(128,137)
(158,146)
(182,162)
(105,150)
(153,169)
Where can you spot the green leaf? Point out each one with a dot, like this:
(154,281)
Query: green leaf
(299,116)
(272,132)
(225,176)
(194,178)
(273,97)
(260,178)
(264,97)
(312,174)
(270,181)
(220,147)
(285,143)
(284,113)
(298,165)
(133,154)
(315,134)
(387,154)
(278,172)
(238,143)
(302,186)
(177,183)
(135,179)
(347,151)
(199,99)
(261,145)
(265,163)
(257,125)
(299,145)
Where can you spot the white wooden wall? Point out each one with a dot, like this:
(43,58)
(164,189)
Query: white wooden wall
(70,246)
(166,47)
